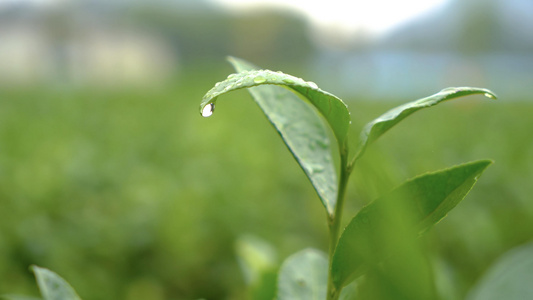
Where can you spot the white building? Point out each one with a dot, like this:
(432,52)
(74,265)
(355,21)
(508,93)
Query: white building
(36,49)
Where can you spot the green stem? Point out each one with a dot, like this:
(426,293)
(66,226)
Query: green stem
(335,222)
(360,151)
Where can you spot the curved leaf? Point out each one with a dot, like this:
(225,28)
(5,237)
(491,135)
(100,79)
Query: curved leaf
(373,130)
(296,121)
(303,275)
(509,278)
(332,108)
(371,235)
(52,286)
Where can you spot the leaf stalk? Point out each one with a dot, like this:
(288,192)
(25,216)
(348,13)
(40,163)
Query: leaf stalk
(335,220)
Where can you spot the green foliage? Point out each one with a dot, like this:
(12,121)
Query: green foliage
(52,286)
(301,129)
(125,186)
(373,130)
(299,126)
(332,108)
(419,203)
(388,226)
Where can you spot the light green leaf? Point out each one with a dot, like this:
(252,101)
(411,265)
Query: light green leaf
(259,264)
(255,256)
(509,278)
(296,121)
(52,286)
(303,276)
(423,201)
(373,130)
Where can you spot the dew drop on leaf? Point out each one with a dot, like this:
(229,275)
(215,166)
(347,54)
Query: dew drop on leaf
(259,79)
(489,96)
(208,110)
(287,80)
(312,85)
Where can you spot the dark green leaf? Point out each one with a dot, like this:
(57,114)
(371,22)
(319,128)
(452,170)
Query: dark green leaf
(418,203)
(373,130)
(509,278)
(296,121)
(52,286)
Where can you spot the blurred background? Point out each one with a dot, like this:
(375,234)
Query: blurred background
(110,177)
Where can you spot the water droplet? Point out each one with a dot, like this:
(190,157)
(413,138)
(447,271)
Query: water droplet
(231,76)
(288,80)
(312,85)
(208,110)
(259,79)
(490,96)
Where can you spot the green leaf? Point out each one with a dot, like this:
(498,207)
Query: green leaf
(255,256)
(258,261)
(52,286)
(373,130)
(509,278)
(419,203)
(332,108)
(296,121)
(303,276)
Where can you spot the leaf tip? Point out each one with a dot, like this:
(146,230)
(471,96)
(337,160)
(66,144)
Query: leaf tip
(490,95)
(484,163)
(231,59)
(35,268)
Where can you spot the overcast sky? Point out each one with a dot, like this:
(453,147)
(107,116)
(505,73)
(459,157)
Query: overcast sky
(372,17)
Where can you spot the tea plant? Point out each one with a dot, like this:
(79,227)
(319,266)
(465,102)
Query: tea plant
(380,241)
